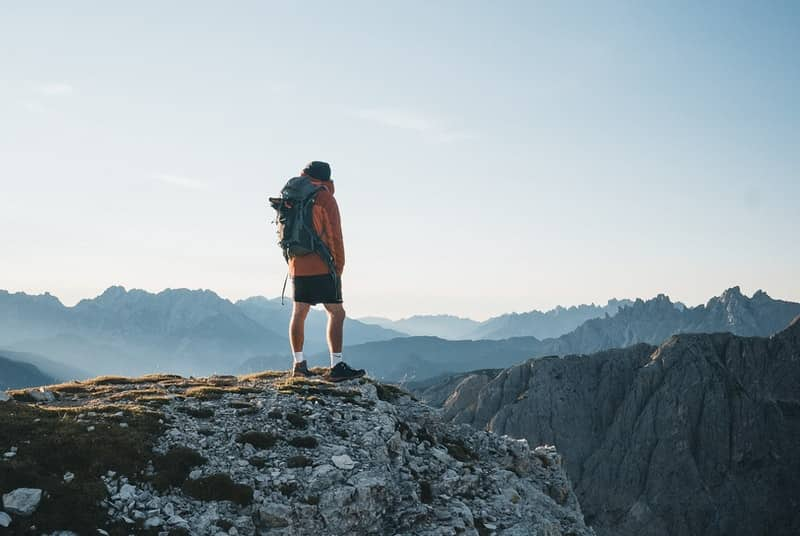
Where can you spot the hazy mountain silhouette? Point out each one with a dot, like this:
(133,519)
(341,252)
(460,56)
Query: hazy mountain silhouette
(54,369)
(16,374)
(272,315)
(177,330)
(650,321)
(444,326)
(541,325)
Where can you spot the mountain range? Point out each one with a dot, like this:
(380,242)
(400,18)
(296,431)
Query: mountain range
(695,437)
(651,321)
(134,331)
(198,332)
(539,324)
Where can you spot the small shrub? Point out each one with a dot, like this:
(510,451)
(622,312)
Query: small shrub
(306,442)
(459,450)
(197,412)
(260,440)
(257,461)
(298,461)
(425,492)
(288,488)
(297,420)
(173,467)
(218,487)
(389,393)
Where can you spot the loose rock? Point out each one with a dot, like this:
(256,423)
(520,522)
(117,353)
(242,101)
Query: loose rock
(22,501)
(343,462)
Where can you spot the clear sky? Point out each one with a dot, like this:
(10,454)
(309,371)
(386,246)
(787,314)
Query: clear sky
(488,156)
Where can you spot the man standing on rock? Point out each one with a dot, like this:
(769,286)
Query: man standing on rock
(317,275)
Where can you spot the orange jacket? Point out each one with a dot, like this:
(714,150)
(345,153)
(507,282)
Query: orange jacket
(328,225)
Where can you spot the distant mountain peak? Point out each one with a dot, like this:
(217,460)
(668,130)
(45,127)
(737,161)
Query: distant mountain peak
(114,290)
(733,293)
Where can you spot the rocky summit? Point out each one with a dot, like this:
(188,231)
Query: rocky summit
(266,454)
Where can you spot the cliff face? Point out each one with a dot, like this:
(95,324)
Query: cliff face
(266,454)
(696,437)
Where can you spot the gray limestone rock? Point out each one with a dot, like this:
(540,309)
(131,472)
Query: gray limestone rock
(22,501)
(274,515)
(41,395)
(695,437)
(361,465)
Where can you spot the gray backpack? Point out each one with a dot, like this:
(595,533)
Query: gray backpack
(295,223)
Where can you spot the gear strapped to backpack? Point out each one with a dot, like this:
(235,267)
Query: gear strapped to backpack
(295,223)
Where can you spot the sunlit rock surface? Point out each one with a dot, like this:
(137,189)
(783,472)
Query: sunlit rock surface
(268,454)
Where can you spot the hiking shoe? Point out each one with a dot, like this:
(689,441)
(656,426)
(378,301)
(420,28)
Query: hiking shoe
(301,369)
(342,372)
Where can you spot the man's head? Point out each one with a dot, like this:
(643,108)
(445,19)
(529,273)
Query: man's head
(318,170)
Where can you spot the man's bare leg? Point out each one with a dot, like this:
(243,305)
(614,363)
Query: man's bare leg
(297,325)
(340,371)
(336,316)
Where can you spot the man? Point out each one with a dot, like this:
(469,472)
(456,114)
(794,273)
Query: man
(314,283)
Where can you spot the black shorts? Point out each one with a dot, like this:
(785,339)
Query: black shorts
(316,289)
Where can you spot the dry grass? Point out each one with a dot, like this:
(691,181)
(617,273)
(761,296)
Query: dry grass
(214,393)
(222,380)
(70,387)
(263,375)
(205,392)
(136,394)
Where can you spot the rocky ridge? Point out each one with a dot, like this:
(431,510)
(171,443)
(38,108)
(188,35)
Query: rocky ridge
(695,437)
(266,454)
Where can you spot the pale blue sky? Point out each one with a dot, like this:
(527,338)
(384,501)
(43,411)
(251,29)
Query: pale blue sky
(488,156)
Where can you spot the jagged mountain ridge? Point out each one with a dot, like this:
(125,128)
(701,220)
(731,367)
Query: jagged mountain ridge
(651,321)
(133,331)
(695,437)
(539,324)
(544,325)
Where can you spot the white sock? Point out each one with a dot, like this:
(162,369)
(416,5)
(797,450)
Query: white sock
(336,358)
(298,356)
